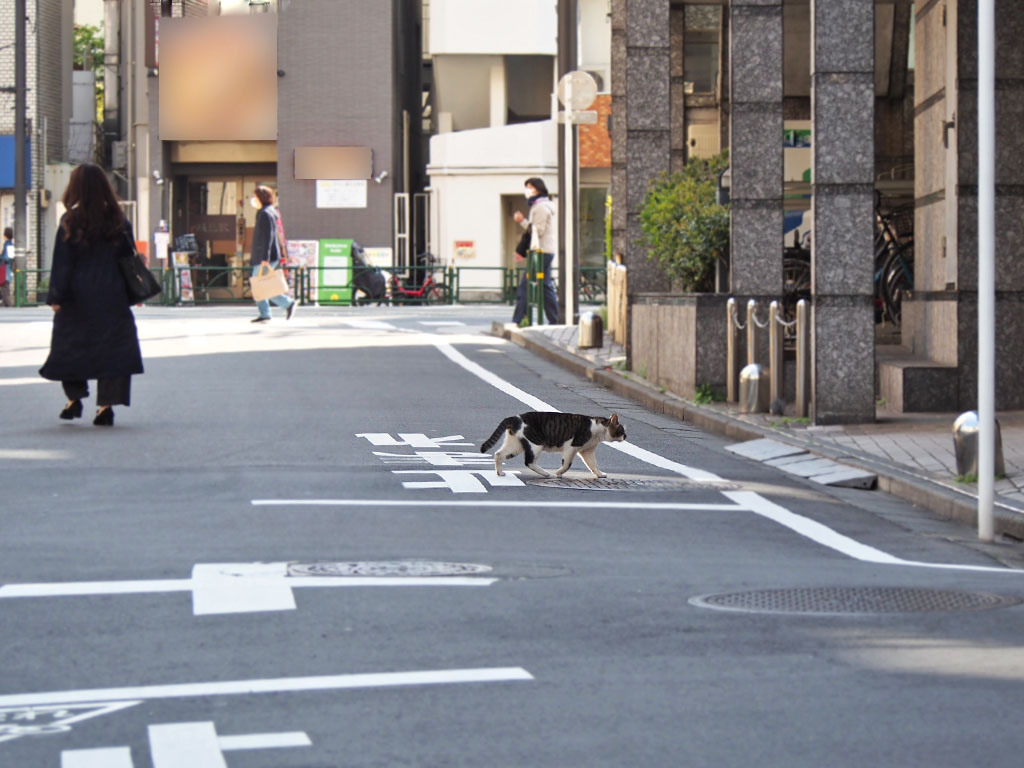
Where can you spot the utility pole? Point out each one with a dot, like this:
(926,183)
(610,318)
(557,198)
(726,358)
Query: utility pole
(20,110)
(567,56)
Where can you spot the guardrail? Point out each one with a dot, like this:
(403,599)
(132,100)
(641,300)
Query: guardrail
(752,373)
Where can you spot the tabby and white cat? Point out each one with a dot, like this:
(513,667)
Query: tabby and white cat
(567,433)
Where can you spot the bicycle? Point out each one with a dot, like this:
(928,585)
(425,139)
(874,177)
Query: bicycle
(894,260)
(429,291)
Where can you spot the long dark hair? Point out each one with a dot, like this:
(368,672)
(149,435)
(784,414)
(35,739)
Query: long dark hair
(93,214)
(538,184)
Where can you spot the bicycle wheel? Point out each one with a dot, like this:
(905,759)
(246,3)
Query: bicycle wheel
(897,279)
(438,294)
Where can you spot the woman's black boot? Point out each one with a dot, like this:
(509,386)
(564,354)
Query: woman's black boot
(104,417)
(73,410)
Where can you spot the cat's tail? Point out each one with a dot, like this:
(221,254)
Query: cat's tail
(511,423)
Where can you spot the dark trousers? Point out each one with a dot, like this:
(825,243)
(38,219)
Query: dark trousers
(115,391)
(550,295)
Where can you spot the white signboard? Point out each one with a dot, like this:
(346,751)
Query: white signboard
(341,193)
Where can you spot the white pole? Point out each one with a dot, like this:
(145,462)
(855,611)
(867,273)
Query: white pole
(986,266)
(568,206)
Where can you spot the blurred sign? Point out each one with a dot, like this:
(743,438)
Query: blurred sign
(340,193)
(333,162)
(218,78)
(465,249)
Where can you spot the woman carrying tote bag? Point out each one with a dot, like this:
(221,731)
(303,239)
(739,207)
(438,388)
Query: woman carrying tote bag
(266,250)
(94,335)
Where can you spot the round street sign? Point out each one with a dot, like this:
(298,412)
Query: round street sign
(579,88)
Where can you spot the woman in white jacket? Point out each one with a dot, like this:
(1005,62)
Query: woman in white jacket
(543,223)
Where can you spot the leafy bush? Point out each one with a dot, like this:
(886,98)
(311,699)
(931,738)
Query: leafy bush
(685,230)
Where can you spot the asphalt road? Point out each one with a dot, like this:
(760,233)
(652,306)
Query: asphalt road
(175,591)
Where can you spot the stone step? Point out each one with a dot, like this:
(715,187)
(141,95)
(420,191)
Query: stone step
(913,384)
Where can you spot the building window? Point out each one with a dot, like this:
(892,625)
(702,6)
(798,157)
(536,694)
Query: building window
(701,41)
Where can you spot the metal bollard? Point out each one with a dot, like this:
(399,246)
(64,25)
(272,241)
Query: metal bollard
(751,333)
(775,362)
(965,445)
(591,331)
(731,349)
(803,360)
(753,389)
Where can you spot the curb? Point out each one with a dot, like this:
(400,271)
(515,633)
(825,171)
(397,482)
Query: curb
(924,492)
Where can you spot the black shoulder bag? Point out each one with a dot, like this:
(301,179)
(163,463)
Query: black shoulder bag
(138,280)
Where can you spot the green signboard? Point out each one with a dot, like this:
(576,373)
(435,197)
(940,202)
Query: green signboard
(334,285)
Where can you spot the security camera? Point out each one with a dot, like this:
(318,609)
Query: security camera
(157,178)
(380,177)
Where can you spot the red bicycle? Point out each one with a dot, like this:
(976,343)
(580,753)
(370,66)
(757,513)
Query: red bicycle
(420,287)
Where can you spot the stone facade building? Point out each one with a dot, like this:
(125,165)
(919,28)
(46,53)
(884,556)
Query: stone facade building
(886,91)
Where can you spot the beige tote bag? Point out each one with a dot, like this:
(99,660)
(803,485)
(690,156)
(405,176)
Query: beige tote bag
(268,283)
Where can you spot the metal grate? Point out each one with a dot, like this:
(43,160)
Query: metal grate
(853,600)
(633,484)
(387,568)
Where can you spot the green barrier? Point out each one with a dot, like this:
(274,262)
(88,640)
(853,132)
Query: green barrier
(31,287)
(498,295)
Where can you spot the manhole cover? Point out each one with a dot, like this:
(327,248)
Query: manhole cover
(634,484)
(387,568)
(832,600)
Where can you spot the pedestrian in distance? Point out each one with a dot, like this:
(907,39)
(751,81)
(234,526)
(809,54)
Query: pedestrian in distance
(7,267)
(542,224)
(94,334)
(267,248)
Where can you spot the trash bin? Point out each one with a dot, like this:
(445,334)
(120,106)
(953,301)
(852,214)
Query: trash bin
(755,389)
(591,331)
(965,445)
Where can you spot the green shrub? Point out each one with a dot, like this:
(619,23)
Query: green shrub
(685,230)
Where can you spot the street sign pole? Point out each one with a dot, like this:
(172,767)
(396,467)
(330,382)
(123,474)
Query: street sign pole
(986,267)
(568,210)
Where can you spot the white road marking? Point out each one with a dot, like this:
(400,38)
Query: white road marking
(369,325)
(460,480)
(440,323)
(17,722)
(275,685)
(185,745)
(567,504)
(220,588)
(23,380)
(33,454)
(263,741)
(413,440)
(752,501)
(106,757)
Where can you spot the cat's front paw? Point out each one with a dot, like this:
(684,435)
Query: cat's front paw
(600,474)
(500,473)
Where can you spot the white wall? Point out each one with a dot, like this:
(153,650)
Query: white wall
(469,173)
(493,26)
(595,40)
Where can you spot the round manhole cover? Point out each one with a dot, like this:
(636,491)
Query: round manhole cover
(853,600)
(387,568)
(635,484)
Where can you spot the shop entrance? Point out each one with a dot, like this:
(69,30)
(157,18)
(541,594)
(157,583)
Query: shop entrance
(218,213)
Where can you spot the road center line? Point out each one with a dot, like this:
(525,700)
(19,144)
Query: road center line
(749,500)
(275,685)
(588,504)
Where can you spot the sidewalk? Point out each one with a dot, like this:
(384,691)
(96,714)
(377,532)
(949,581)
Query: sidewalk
(912,454)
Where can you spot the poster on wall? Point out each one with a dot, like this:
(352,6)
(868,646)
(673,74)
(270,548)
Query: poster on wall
(304,254)
(341,193)
(335,263)
(184,275)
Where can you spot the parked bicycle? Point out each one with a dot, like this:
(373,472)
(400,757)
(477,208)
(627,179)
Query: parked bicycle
(894,260)
(420,287)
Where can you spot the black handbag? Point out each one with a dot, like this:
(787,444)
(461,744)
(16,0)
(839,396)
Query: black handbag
(138,280)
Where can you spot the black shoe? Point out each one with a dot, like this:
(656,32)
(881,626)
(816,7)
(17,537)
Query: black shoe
(261,320)
(291,310)
(104,418)
(73,410)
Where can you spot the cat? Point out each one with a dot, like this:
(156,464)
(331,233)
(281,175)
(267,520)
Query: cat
(567,433)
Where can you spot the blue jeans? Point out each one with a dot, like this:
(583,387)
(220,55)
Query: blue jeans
(283,301)
(550,295)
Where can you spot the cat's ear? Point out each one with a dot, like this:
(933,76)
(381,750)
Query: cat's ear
(614,419)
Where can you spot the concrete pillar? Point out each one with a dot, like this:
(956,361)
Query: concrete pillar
(755,75)
(843,114)
(648,126)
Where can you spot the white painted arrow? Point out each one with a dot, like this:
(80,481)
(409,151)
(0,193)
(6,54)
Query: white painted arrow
(235,587)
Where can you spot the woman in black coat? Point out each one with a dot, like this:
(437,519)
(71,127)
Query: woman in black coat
(94,335)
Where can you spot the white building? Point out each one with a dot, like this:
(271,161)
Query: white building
(494,73)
